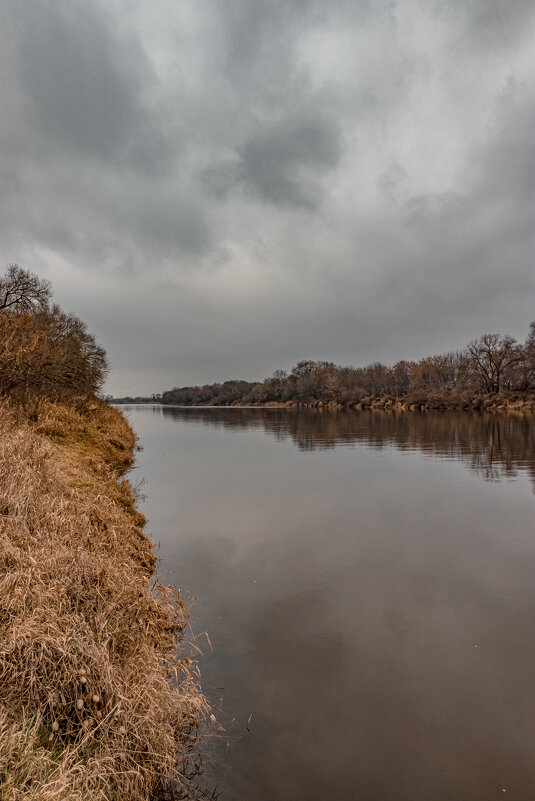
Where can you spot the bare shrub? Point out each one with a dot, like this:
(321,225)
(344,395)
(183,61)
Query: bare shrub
(49,354)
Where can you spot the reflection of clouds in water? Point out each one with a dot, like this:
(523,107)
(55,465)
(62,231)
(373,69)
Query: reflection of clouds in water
(493,446)
(354,676)
(373,699)
(344,596)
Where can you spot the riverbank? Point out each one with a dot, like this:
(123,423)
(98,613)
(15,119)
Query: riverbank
(462,401)
(95,702)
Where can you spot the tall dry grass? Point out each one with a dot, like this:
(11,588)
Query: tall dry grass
(95,700)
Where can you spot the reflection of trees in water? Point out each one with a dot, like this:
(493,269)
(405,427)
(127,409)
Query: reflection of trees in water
(495,447)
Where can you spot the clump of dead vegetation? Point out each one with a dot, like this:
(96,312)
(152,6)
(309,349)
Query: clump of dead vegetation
(96,702)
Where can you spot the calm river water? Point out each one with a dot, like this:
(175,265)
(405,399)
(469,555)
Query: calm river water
(367,582)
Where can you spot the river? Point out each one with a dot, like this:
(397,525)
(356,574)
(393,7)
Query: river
(366,582)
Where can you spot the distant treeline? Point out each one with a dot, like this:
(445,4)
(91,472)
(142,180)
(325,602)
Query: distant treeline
(128,399)
(488,367)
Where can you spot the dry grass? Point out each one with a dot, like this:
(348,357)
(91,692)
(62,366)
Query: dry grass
(95,703)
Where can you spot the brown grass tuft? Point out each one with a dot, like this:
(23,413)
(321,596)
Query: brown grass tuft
(95,703)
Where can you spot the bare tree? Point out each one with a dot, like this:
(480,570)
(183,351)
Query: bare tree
(492,357)
(23,292)
(526,369)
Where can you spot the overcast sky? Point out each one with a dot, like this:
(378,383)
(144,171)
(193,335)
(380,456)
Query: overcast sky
(220,188)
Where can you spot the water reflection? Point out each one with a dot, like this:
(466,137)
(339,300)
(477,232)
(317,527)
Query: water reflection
(494,446)
(372,607)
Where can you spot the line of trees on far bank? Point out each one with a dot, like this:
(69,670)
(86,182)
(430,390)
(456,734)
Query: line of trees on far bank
(489,366)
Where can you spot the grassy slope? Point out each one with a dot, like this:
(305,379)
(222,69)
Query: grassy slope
(87,639)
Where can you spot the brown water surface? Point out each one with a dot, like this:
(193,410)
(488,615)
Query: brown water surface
(367,581)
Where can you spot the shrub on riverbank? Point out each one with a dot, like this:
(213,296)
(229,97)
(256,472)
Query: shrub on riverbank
(44,352)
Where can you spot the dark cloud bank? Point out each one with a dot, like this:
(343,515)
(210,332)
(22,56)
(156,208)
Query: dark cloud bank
(221,189)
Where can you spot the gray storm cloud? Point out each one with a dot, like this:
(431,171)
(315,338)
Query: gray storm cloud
(221,189)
